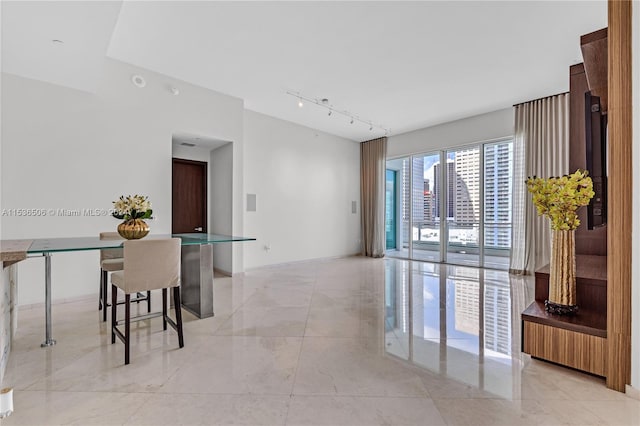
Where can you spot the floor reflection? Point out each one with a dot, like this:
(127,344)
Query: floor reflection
(457,321)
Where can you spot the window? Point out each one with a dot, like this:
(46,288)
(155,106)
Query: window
(454,206)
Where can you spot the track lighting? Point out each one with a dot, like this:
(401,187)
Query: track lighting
(324,102)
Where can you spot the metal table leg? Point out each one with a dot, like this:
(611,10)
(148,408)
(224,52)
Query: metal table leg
(197,279)
(47,301)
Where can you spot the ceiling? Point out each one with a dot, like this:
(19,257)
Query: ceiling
(399,65)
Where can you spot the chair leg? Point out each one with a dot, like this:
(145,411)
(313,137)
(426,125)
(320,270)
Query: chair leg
(177,306)
(148,301)
(127,327)
(105,279)
(164,309)
(100,298)
(114,307)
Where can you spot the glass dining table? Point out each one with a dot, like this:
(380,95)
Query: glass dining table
(196,267)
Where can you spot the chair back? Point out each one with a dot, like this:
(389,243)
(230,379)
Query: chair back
(112,253)
(151,264)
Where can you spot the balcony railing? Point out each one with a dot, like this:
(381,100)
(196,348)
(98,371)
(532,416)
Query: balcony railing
(463,236)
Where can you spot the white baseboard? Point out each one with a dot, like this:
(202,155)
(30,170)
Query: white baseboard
(632,392)
(40,305)
(223,272)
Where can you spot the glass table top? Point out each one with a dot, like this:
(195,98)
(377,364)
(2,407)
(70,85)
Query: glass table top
(47,245)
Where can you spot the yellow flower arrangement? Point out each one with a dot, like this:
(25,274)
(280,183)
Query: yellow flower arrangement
(559,198)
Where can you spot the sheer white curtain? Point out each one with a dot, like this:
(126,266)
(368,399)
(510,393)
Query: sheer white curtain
(541,148)
(373,162)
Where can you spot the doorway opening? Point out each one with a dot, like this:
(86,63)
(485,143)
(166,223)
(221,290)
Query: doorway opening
(202,194)
(189,196)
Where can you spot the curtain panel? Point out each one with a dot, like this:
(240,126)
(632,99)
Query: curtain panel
(541,148)
(373,161)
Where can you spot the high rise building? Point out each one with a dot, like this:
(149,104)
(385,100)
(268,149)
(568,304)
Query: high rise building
(451,192)
(416,186)
(467,186)
(428,203)
(412,184)
(406,185)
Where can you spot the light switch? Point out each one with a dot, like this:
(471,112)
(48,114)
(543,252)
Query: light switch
(354,207)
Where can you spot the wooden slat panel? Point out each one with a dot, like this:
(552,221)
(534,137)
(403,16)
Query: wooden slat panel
(575,350)
(620,197)
(594,52)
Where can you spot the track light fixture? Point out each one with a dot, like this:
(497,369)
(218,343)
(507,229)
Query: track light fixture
(324,102)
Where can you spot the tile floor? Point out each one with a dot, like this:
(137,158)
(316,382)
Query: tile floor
(352,341)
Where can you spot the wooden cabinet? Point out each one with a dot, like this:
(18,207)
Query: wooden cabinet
(577,341)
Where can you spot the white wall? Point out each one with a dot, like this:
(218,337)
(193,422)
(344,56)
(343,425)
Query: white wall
(479,128)
(221,214)
(635,252)
(304,181)
(63,148)
(5,303)
(194,153)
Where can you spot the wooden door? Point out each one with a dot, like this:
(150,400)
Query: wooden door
(189,200)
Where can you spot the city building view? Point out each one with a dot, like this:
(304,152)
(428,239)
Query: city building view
(473,194)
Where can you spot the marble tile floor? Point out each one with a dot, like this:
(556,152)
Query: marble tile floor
(352,341)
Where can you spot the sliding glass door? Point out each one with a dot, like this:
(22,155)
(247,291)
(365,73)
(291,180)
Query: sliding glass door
(396,210)
(390,211)
(424,208)
(498,172)
(463,216)
(452,206)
